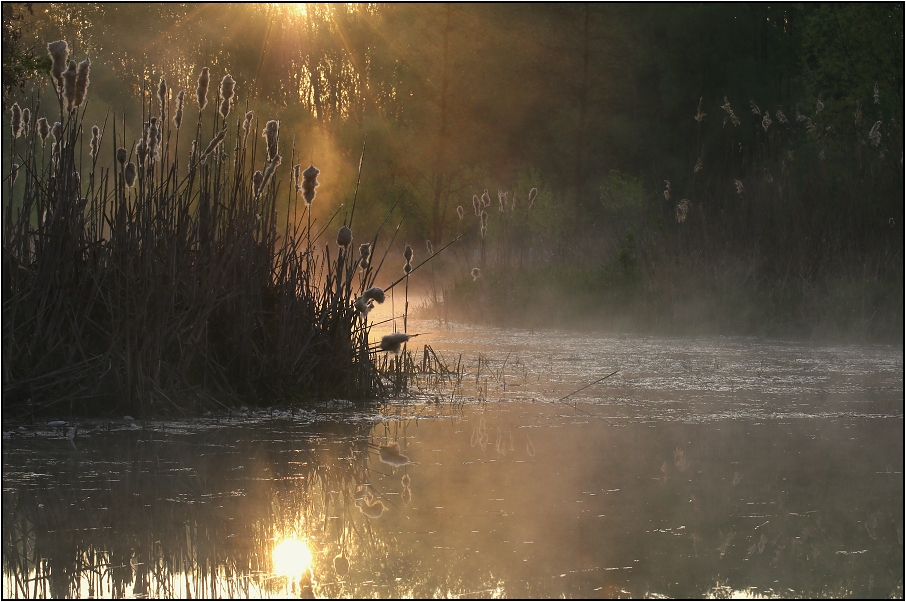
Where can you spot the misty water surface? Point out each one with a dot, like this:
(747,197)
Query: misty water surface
(704,467)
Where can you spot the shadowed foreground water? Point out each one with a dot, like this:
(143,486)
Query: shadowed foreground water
(703,468)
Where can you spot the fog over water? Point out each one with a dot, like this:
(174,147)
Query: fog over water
(703,467)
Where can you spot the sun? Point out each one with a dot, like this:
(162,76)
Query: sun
(299,8)
(291,558)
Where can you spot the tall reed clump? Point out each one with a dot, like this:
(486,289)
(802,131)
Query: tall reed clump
(138,281)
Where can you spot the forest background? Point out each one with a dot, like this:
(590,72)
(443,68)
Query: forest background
(719,168)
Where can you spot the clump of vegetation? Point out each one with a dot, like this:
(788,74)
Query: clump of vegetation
(138,280)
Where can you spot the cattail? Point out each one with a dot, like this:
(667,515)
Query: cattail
(153,139)
(819,107)
(476,204)
(429,247)
(408,253)
(180,102)
(739,187)
(809,125)
(257,181)
(405,480)
(121,155)
(877,95)
(59,55)
(16,120)
(201,92)
(14,174)
(476,274)
(269,171)
(754,107)
(129,174)
(392,343)
(532,195)
(375,294)
(227,86)
(875,134)
(26,121)
(43,130)
(296,170)
(667,190)
(766,121)
(193,153)
(780,116)
(247,122)
(484,231)
(682,209)
(215,142)
(81,82)
(309,183)
(141,151)
(272,133)
(69,86)
(460,211)
(486,198)
(698,166)
(95,141)
(699,116)
(501,200)
(731,116)
(821,154)
(365,252)
(344,236)
(407,268)
(162,98)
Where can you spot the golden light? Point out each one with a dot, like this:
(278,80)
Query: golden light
(291,558)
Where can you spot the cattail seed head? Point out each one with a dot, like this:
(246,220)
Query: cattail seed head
(247,122)
(362,305)
(699,116)
(486,198)
(129,174)
(344,236)
(484,219)
(476,274)
(476,204)
(877,94)
(532,195)
(392,343)
(375,294)
(257,182)
(309,183)
(698,166)
(731,116)
(201,92)
(43,130)
(59,55)
(269,171)
(460,211)
(180,102)
(214,143)
(14,174)
(754,107)
(819,106)
(26,121)
(781,117)
(153,139)
(740,189)
(227,86)
(429,247)
(666,190)
(407,268)
(296,172)
(682,209)
(162,98)
(365,250)
(69,86)
(408,253)
(95,141)
(272,134)
(81,82)
(766,121)
(875,134)
(121,155)
(484,231)
(57,131)
(16,120)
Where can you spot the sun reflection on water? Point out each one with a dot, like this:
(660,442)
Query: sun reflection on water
(292,558)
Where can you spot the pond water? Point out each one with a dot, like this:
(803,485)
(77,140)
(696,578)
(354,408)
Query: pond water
(702,467)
